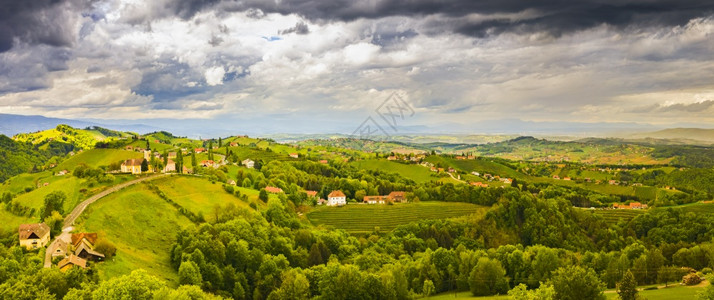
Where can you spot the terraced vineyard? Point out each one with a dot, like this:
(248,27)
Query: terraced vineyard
(360,218)
(612,216)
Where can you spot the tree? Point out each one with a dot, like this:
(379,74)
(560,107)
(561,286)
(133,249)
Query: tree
(105,247)
(189,273)
(55,222)
(488,278)
(220,142)
(521,292)
(166,157)
(428,288)
(574,283)
(263,195)
(144,166)
(179,161)
(315,257)
(54,201)
(194,163)
(668,274)
(137,285)
(210,150)
(627,288)
(294,286)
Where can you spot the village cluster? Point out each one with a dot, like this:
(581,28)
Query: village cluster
(74,251)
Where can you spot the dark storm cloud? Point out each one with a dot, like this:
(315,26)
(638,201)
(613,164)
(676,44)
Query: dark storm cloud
(553,16)
(299,28)
(38,22)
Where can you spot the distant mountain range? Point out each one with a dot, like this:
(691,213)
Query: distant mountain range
(13,124)
(685,135)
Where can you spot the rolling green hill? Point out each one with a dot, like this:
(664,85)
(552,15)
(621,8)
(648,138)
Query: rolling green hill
(141,225)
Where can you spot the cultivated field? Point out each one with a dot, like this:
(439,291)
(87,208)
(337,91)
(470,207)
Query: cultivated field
(612,216)
(360,218)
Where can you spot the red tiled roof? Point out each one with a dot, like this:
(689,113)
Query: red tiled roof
(311,193)
(39,229)
(274,190)
(397,194)
(90,236)
(337,193)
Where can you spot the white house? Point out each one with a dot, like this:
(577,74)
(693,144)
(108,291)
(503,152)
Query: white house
(248,163)
(336,198)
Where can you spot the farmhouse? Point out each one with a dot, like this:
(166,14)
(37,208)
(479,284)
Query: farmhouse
(84,237)
(375,199)
(72,261)
(132,166)
(479,184)
(321,201)
(294,155)
(233,144)
(323,161)
(248,163)
(172,155)
(336,198)
(392,157)
(199,150)
(33,236)
(207,163)
(311,194)
(86,252)
(397,196)
(61,250)
(273,190)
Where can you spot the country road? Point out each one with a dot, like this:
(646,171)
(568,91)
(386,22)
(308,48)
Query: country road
(77,211)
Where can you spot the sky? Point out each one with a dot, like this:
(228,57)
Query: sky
(340,65)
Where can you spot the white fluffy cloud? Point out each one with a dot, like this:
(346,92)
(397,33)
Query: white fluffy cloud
(139,60)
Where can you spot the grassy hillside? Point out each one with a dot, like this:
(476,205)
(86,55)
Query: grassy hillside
(356,218)
(199,195)
(143,227)
(81,138)
(411,171)
(98,157)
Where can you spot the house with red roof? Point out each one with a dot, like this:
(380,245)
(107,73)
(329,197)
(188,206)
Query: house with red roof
(336,198)
(273,190)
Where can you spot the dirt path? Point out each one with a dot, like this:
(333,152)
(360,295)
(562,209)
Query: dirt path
(77,211)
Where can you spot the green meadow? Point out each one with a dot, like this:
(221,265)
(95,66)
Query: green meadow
(362,218)
(141,225)
(414,172)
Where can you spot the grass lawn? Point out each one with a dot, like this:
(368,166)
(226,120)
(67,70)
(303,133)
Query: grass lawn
(672,292)
(414,172)
(97,157)
(17,184)
(67,184)
(141,225)
(465,295)
(361,218)
(12,222)
(198,195)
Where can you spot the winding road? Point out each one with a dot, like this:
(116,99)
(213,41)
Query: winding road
(77,211)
